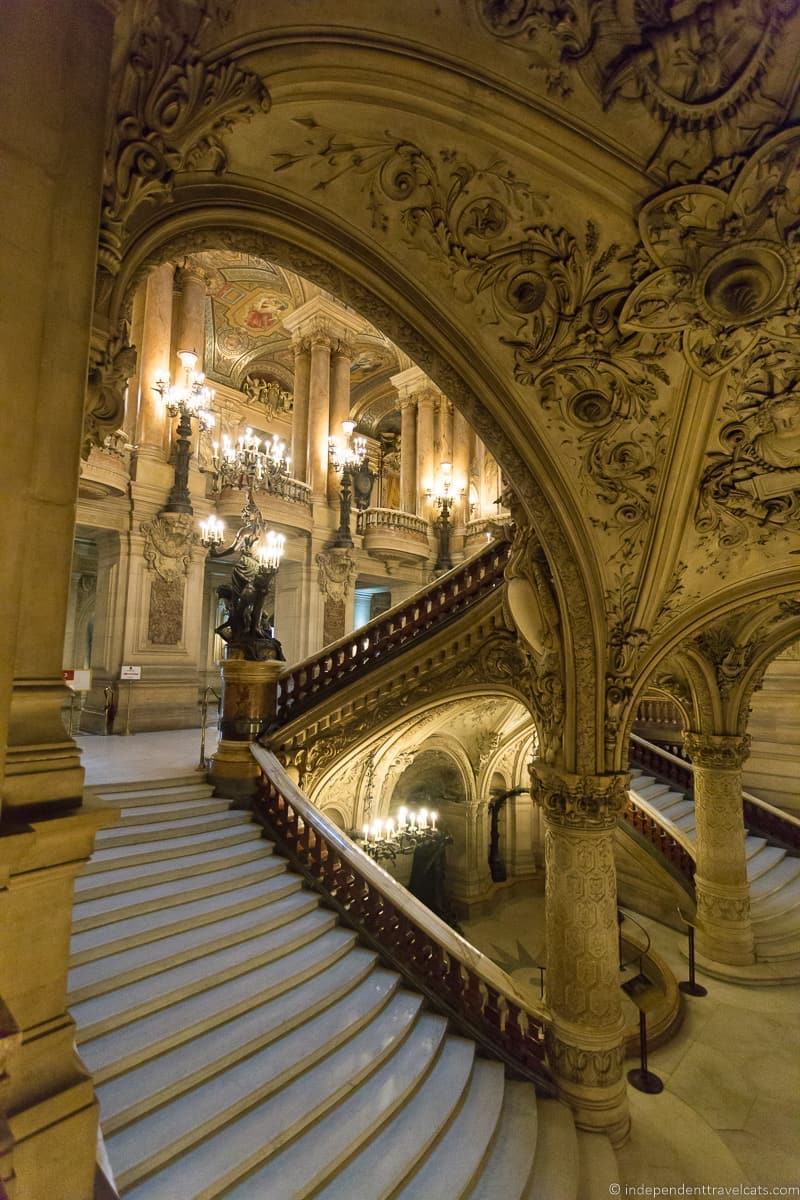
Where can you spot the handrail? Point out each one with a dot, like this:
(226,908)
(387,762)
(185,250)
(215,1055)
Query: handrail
(479,998)
(670,842)
(427,610)
(760,816)
(641,951)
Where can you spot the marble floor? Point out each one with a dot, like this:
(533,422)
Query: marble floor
(730,1110)
(145,756)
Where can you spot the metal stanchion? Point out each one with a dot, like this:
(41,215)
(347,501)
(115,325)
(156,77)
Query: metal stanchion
(127,731)
(203,765)
(640,1078)
(690,986)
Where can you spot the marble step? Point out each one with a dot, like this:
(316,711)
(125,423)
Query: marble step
(155,831)
(108,1055)
(773,880)
(318,1154)
(556,1162)
(785,949)
(763,859)
(685,822)
(597,1166)
(652,790)
(786,899)
(171,848)
(101,1014)
(382,1164)
(176,907)
(781,924)
(144,1088)
(509,1163)
(672,804)
(89,914)
(453,1164)
(128,879)
(106,973)
(138,815)
(389,1053)
(141,792)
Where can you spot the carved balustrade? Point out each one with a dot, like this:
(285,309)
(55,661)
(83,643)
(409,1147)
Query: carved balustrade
(372,644)
(392,518)
(479,998)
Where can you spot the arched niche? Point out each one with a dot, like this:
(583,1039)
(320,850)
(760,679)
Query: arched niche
(434,778)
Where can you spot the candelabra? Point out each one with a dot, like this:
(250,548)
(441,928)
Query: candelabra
(443,496)
(348,457)
(188,401)
(259,555)
(249,463)
(387,840)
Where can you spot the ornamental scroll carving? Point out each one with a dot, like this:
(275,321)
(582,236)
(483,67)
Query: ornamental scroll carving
(578,801)
(337,573)
(728,263)
(552,295)
(106,385)
(168,542)
(172,110)
(712,78)
(720,752)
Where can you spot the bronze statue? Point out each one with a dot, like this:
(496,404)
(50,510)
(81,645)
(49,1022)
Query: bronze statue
(246,629)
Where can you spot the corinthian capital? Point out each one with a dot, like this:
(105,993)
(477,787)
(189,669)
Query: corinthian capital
(578,801)
(719,751)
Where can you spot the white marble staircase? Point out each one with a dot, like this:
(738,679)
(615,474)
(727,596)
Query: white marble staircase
(244,1045)
(774,875)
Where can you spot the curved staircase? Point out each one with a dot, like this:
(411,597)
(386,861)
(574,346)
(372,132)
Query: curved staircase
(244,1045)
(773,873)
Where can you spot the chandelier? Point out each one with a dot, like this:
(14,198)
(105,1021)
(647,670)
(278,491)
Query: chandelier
(347,453)
(383,839)
(268,551)
(249,463)
(190,399)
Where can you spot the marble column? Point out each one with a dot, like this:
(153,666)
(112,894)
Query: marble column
(190,303)
(425,451)
(302,373)
(319,413)
(154,361)
(408,455)
(56,68)
(462,444)
(585,1037)
(341,357)
(724,931)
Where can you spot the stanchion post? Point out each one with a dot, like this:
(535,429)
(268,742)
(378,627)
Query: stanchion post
(640,1078)
(690,986)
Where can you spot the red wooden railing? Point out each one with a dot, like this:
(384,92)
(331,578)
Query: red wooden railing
(478,997)
(674,852)
(372,644)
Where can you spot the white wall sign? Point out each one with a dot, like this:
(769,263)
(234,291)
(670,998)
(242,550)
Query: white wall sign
(130,673)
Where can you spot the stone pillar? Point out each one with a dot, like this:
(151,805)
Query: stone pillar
(154,361)
(408,455)
(724,932)
(341,357)
(444,410)
(56,67)
(249,691)
(585,1044)
(462,441)
(319,413)
(425,451)
(302,374)
(190,293)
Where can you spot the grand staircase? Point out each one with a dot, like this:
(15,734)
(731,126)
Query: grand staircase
(244,1044)
(773,874)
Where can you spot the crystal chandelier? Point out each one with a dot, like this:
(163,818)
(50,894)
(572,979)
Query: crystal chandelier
(347,453)
(383,839)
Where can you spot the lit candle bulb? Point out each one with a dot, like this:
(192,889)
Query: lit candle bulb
(365,832)
(434,817)
(376,829)
(423,818)
(401,817)
(390,828)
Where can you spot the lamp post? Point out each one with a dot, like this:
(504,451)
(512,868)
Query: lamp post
(188,401)
(348,456)
(443,495)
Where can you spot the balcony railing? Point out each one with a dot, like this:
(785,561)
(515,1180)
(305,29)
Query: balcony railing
(479,998)
(372,644)
(391,518)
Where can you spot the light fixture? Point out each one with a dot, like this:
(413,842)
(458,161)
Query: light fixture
(249,462)
(212,533)
(190,400)
(443,494)
(348,457)
(382,839)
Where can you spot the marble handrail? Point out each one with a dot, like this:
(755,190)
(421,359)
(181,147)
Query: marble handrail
(464,984)
(392,518)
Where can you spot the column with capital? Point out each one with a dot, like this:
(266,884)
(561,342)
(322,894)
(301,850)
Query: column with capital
(341,358)
(462,458)
(319,412)
(724,931)
(408,454)
(425,450)
(302,375)
(585,1038)
(154,361)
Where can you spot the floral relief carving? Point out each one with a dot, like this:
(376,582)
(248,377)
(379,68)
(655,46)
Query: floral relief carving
(728,263)
(337,573)
(578,801)
(173,108)
(751,488)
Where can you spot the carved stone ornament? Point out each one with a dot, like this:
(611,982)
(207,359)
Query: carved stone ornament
(718,752)
(710,77)
(729,264)
(337,573)
(172,109)
(168,542)
(591,1068)
(752,486)
(729,658)
(578,801)
(106,385)
(267,394)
